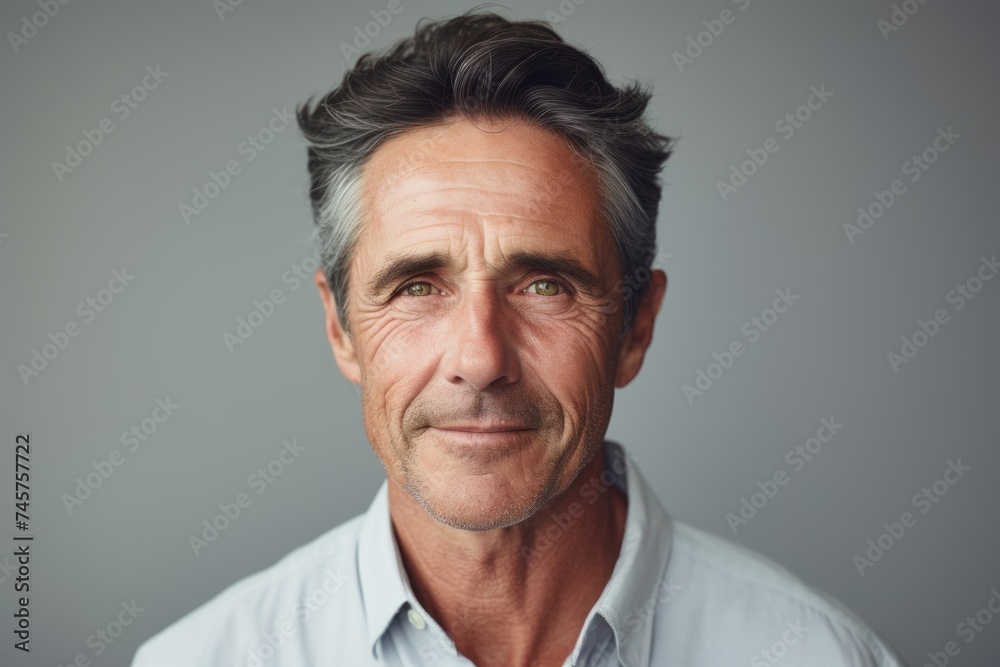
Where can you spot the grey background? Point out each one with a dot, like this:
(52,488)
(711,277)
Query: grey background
(826,357)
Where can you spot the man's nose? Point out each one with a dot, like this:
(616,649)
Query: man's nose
(481,346)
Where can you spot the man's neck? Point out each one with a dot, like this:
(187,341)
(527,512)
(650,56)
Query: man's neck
(519,595)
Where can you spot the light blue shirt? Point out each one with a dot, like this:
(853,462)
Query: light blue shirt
(678,596)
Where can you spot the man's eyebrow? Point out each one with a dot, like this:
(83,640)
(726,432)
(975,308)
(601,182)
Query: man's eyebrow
(562,264)
(403,265)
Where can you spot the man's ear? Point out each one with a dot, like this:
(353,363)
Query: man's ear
(640,333)
(340,341)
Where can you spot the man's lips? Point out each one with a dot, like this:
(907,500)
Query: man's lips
(483,428)
(465,439)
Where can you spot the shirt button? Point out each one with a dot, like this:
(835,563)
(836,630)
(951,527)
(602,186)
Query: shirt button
(416,619)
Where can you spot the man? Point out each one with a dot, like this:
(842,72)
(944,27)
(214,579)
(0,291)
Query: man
(486,205)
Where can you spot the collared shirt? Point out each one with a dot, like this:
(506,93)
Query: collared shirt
(677,596)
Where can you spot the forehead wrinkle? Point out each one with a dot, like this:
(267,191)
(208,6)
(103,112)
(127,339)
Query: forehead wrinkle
(486,161)
(528,189)
(450,187)
(548,152)
(469,204)
(489,233)
(530,181)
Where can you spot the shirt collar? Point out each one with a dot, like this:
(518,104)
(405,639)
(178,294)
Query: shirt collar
(633,594)
(629,599)
(380,570)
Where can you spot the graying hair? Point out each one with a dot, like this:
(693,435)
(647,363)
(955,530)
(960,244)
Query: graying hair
(483,66)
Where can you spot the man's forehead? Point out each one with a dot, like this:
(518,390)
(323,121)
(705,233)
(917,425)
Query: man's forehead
(450,186)
(503,155)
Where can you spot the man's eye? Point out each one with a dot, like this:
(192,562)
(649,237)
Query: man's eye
(546,287)
(417,288)
(424,288)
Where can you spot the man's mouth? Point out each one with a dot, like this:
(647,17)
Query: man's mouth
(483,427)
(482,437)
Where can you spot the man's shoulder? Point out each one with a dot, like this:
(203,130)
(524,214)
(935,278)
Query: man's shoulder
(728,563)
(761,605)
(317,578)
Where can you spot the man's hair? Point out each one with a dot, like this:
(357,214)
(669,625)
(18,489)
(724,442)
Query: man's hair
(483,66)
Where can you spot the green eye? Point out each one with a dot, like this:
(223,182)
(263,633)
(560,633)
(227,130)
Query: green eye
(542,287)
(418,289)
(546,287)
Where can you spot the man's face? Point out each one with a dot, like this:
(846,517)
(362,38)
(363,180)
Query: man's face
(480,331)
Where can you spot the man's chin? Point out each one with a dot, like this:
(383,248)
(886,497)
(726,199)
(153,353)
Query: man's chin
(476,503)
(480,488)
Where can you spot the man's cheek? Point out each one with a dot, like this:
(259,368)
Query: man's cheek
(388,396)
(391,343)
(575,346)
